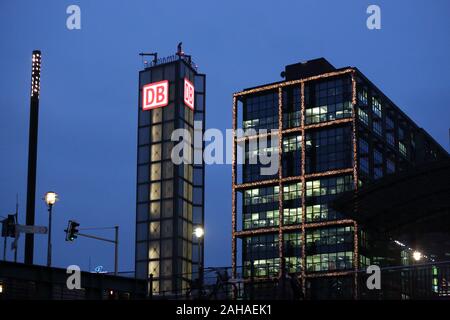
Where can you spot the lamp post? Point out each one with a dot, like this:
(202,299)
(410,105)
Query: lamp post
(50,199)
(199,233)
(32,152)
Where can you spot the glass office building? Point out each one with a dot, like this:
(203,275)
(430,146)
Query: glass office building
(336,132)
(169,196)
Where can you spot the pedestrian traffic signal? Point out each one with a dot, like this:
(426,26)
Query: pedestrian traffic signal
(72,230)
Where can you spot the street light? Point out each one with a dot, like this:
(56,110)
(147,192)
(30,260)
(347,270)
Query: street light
(417,255)
(199,233)
(50,199)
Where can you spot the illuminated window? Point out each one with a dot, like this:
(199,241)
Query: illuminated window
(154,250)
(291,156)
(321,192)
(261,207)
(155,191)
(292,203)
(292,191)
(376,107)
(293,251)
(156,152)
(402,148)
(330,261)
(363,116)
(329,249)
(362,96)
(252,170)
(292,143)
(156,115)
(262,252)
(292,215)
(155,171)
(261,111)
(155,209)
(153,269)
(332,101)
(156,133)
(154,230)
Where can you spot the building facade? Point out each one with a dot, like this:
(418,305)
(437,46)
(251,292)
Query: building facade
(169,195)
(336,131)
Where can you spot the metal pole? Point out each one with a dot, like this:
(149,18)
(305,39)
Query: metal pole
(116,253)
(17,222)
(4,248)
(200,282)
(49,244)
(201,262)
(32,154)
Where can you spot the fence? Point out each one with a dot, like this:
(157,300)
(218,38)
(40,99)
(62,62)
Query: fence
(424,281)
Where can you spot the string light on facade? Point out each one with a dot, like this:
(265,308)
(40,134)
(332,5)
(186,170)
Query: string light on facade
(279,181)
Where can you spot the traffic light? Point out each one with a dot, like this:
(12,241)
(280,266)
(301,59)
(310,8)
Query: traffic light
(72,230)
(9,226)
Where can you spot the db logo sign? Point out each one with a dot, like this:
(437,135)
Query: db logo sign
(189,93)
(155,95)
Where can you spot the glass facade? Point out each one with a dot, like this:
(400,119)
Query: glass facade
(326,149)
(260,207)
(169,197)
(328,100)
(348,133)
(329,149)
(260,255)
(321,192)
(261,112)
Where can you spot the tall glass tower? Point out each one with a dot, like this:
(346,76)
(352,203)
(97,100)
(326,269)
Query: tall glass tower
(169,196)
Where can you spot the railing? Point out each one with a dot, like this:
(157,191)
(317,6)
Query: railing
(172,58)
(425,281)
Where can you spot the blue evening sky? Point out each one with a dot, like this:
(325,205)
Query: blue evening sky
(88,115)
